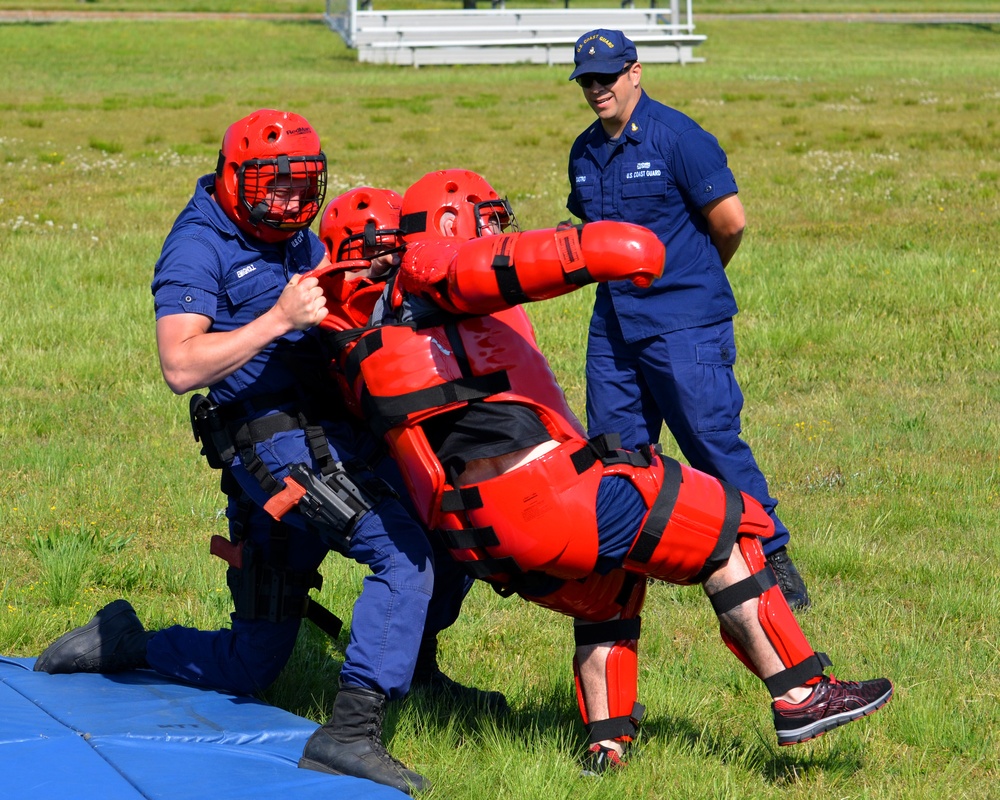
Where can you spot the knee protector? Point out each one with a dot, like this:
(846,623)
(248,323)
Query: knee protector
(595,598)
(621,672)
(802,664)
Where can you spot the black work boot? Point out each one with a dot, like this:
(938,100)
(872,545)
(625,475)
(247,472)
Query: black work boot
(113,641)
(351,743)
(428,677)
(789,580)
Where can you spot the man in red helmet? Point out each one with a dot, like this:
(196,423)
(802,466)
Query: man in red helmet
(236,312)
(447,370)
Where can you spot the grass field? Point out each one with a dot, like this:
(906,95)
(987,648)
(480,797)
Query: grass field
(868,157)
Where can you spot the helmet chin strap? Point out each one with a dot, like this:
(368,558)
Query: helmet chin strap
(259,212)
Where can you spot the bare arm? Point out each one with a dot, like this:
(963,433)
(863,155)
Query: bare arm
(726,221)
(192,356)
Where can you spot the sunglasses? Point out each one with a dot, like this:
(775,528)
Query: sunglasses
(603,78)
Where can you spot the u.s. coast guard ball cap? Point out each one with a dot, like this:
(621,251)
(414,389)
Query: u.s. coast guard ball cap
(602,51)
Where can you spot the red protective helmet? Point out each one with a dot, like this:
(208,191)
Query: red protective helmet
(362,224)
(475,203)
(271,177)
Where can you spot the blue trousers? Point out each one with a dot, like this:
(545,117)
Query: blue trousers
(389,617)
(684,378)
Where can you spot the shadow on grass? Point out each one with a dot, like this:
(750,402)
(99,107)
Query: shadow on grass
(753,750)
(550,718)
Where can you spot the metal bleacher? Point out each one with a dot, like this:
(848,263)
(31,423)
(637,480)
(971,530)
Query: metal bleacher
(501,35)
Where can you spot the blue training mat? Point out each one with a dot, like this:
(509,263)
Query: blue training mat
(140,736)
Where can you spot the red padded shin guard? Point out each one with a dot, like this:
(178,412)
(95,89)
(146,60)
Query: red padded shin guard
(776,617)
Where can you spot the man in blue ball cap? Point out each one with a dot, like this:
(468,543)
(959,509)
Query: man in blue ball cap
(603,52)
(665,353)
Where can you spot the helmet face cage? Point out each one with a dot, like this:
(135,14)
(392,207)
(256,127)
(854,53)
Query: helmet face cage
(371,243)
(271,176)
(285,193)
(494,216)
(362,224)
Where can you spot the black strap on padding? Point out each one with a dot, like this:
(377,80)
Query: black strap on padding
(616,727)
(628,586)
(470,538)
(606,448)
(413,223)
(741,591)
(583,459)
(338,340)
(659,515)
(367,344)
(491,566)
(454,334)
(385,413)
(507,281)
(727,535)
(787,679)
(613,630)
(569,247)
(464,499)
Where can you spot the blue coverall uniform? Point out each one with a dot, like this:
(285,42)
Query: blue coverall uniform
(209,267)
(666,353)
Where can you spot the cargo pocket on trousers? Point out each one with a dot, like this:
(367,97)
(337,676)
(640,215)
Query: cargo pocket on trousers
(722,399)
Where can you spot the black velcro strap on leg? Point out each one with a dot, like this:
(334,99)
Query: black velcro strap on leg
(598,448)
(613,630)
(319,447)
(246,435)
(469,538)
(659,515)
(486,567)
(743,590)
(787,679)
(616,727)
(323,618)
(583,459)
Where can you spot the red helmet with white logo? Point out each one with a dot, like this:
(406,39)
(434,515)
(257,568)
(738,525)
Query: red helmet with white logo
(460,194)
(271,176)
(362,224)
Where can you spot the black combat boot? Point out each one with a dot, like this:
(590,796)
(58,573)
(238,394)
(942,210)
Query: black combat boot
(789,580)
(351,743)
(428,677)
(113,641)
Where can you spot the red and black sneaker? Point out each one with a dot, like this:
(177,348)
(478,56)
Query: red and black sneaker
(599,759)
(832,703)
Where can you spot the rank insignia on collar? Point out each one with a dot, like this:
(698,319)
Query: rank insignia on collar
(634,127)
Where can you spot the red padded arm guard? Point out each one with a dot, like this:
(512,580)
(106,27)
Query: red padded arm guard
(498,272)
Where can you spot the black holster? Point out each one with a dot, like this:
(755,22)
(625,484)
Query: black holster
(209,428)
